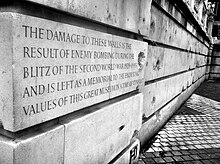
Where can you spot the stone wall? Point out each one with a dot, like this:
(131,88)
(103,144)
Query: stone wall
(92,81)
(215,63)
(176,64)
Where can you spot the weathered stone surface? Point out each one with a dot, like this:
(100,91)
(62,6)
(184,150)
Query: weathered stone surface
(6,150)
(215,69)
(216,61)
(55,69)
(154,123)
(159,93)
(58,4)
(6,83)
(198,73)
(163,62)
(100,135)
(130,154)
(96,10)
(130,15)
(214,76)
(41,147)
(128,75)
(124,14)
(145,15)
(165,30)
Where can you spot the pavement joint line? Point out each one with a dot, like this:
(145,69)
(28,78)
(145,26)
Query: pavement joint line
(196,135)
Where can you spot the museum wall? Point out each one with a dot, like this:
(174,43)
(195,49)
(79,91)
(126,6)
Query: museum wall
(93,81)
(176,65)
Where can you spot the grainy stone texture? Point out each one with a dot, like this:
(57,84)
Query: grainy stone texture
(215,63)
(130,154)
(159,93)
(157,120)
(175,67)
(55,69)
(130,15)
(165,30)
(40,147)
(160,58)
(6,91)
(101,135)
(6,150)
(129,76)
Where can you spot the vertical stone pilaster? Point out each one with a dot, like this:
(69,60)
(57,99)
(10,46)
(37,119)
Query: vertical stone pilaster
(201,5)
(210,21)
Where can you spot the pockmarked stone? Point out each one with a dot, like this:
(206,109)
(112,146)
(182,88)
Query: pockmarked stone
(101,135)
(49,69)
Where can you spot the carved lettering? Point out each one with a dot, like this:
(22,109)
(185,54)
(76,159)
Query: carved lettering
(62,67)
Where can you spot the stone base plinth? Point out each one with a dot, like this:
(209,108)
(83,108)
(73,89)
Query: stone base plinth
(93,135)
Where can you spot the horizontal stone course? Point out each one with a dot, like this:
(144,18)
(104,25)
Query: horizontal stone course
(129,15)
(161,92)
(93,135)
(165,61)
(36,148)
(165,30)
(159,118)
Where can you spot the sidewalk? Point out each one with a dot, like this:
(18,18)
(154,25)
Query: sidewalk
(192,135)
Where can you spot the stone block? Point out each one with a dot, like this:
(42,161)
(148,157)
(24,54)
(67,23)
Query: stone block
(159,118)
(127,74)
(215,61)
(118,13)
(158,21)
(6,150)
(159,93)
(164,61)
(159,61)
(50,69)
(130,14)
(58,4)
(215,51)
(214,76)
(101,134)
(165,30)
(6,83)
(145,17)
(45,146)
(215,69)
(129,155)
(200,60)
(198,73)
(96,10)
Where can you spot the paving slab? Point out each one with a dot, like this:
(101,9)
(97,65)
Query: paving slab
(192,135)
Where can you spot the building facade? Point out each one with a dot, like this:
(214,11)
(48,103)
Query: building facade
(93,81)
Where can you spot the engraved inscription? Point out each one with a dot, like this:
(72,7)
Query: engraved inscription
(60,68)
